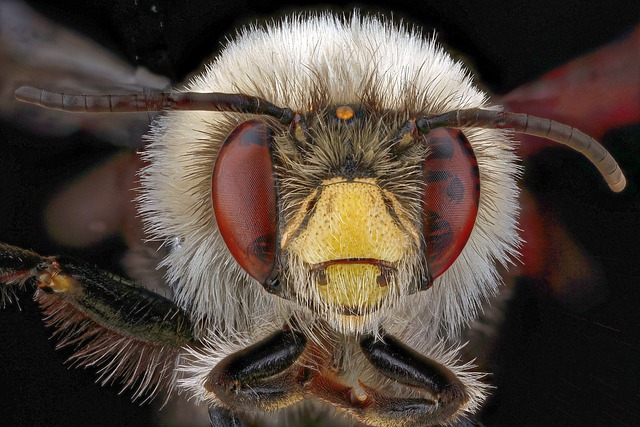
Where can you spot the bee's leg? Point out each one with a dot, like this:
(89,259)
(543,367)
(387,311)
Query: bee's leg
(399,362)
(263,376)
(130,331)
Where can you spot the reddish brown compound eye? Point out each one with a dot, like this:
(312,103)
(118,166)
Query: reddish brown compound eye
(450,199)
(244,198)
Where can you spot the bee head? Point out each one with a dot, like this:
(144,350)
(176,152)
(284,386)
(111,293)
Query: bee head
(347,210)
(348,203)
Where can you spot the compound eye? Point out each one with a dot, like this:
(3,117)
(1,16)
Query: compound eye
(450,198)
(244,198)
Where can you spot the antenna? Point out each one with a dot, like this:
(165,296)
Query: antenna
(532,125)
(153,101)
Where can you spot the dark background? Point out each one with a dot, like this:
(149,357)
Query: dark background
(556,365)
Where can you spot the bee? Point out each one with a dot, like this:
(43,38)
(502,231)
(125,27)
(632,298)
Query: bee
(335,196)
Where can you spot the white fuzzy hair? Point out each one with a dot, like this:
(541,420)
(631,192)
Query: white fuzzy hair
(285,62)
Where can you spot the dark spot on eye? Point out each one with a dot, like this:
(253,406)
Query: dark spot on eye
(440,147)
(262,248)
(455,190)
(439,234)
(438,176)
(464,143)
(251,135)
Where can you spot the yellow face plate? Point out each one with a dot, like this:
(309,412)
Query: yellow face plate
(350,239)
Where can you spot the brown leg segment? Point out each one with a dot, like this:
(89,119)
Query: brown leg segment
(129,331)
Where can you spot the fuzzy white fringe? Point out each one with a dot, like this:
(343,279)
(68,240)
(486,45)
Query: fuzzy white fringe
(285,62)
